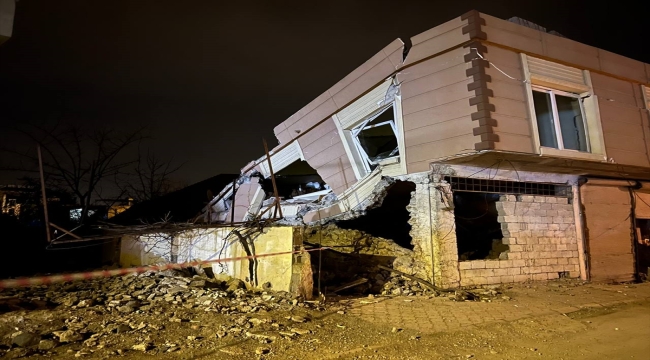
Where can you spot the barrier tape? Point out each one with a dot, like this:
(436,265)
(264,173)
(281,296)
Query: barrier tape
(51,279)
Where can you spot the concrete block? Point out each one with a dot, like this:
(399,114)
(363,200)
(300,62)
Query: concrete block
(516,248)
(553,275)
(551,200)
(514,256)
(464,265)
(546,206)
(574,274)
(539,199)
(500,272)
(493,280)
(479,280)
(574,260)
(562,260)
(540,277)
(558,268)
(507,279)
(535,269)
(573,247)
(476,264)
(551,261)
(509,240)
(561,200)
(562,247)
(521,278)
(518,263)
(514,271)
(526,198)
(547,268)
(504,264)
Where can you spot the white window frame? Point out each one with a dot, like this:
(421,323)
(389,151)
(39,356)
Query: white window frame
(356,130)
(556,116)
(591,117)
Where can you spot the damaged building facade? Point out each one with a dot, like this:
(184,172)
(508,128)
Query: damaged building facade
(485,152)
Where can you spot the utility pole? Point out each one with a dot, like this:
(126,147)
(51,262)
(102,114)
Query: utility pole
(47,218)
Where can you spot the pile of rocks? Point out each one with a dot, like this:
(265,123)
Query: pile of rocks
(400,285)
(485,294)
(95,313)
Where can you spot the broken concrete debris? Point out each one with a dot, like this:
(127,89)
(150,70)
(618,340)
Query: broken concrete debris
(155,302)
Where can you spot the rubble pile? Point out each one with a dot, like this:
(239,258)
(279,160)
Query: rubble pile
(120,314)
(485,294)
(400,285)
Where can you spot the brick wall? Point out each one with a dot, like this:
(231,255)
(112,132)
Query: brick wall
(541,234)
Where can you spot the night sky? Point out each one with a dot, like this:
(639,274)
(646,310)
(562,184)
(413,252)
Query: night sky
(213,79)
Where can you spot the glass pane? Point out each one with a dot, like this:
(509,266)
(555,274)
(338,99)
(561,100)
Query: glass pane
(378,142)
(544,112)
(571,123)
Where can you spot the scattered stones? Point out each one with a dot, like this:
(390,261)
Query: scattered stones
(24,339)
(85,303)
(235,284)
(68,336)
(47,344)
(399,285)
(298,319)
(141,347)
(129,304)
(262,351)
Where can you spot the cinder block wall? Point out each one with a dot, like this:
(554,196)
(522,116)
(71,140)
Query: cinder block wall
(541,234)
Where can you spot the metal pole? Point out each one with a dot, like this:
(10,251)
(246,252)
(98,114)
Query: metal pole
(232,205)
(275,188)
(47,218)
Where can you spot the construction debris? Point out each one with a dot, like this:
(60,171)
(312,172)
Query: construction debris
(122,313)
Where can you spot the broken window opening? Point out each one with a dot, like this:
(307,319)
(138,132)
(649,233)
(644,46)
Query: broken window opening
(390,220)
(299,178)
(478,231)
(376,138)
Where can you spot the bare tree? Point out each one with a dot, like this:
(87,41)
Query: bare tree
(76,158)
(150,177)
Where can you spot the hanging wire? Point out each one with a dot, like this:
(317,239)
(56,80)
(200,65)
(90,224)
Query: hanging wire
(496,67)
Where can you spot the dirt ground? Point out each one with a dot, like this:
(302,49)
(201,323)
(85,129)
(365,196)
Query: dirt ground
(331,332)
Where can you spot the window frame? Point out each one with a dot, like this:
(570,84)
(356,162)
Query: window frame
(556,116)
(591,109)
(355,131)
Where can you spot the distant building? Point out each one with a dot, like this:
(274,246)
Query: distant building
(115,206)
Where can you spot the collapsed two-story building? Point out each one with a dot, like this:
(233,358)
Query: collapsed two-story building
(519,155)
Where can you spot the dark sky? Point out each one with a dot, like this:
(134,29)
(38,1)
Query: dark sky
(212,79)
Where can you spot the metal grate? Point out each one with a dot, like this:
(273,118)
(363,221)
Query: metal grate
(507,187)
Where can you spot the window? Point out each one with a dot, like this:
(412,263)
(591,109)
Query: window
(564,111)
(376,138)
(560,120)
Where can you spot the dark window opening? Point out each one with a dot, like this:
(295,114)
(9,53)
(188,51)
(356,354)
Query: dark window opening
(478,232)
(390,220)
(642,248)
(507,187)
(299,178)
(378,139)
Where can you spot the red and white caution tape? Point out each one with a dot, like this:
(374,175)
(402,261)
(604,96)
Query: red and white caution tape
(46,280)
